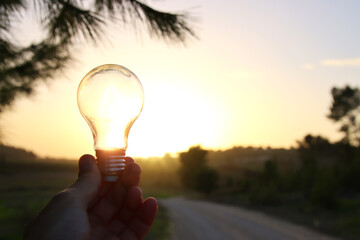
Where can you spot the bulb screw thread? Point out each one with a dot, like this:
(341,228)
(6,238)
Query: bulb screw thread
(111,164)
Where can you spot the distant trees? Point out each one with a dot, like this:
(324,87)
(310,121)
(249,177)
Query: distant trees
(194,173)
(64,24)
(345,109)
(331,169)
(318,176)
(16,154)
(322,172)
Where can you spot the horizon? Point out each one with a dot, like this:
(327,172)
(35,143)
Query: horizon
(171,154)
(260,74)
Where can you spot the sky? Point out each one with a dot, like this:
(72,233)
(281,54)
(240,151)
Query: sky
(260,73)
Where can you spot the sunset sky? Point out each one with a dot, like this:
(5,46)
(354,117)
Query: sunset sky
(260,74)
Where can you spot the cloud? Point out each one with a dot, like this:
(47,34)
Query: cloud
(341,62)
(307,66)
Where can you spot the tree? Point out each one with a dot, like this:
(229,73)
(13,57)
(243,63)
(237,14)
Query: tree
(192,162)
(345,109)
(313,143)
(206,180)
(66,22)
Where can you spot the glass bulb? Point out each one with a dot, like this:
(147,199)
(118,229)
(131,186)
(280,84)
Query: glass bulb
(110,98)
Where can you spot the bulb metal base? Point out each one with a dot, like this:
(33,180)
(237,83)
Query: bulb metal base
(111,163)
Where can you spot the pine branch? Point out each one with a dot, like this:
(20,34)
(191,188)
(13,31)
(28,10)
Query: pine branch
(67,21)
(8,52)
(172,26)
(165,25)
(39,62)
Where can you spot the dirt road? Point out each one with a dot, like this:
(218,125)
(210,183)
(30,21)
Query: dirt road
(194,220)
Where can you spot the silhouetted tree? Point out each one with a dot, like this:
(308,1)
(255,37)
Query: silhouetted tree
(192,162)
(345,109)
(64,23)
(313,143)
(206,180)
(310,148)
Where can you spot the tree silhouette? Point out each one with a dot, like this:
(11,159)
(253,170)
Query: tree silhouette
(206,180)
(192,162)
(345,109)
(64,23)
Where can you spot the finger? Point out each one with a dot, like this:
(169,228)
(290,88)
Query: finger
(148,211)
(131,175)
(132,203)
(114,192)
(108,205)
(141,223)
(88,182)
(104,189)
(128,160)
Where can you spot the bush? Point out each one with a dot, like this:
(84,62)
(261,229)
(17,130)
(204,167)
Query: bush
(265,194)
(325,191)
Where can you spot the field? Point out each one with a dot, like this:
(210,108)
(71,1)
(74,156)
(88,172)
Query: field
(25,188)
(325,203)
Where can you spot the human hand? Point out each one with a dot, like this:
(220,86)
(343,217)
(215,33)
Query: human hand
(92,209)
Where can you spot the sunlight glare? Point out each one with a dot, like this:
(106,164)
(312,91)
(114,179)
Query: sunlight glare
(173,119)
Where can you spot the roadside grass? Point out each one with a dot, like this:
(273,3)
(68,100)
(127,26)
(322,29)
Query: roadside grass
(160,230)
(24,191)
(161,192)
(26,188)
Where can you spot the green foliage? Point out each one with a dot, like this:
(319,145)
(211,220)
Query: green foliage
(270,172)
(26,188)
(325,190)
(265,189)
(160,229)
(206,180)
(307,175)
(349,175)
(16,212)
(265,194)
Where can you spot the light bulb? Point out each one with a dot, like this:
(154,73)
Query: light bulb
(110,98)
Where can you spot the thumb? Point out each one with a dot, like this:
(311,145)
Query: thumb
(89,180)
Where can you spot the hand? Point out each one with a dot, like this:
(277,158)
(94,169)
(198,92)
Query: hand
(91,209)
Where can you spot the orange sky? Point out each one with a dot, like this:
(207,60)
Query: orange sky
(259,74)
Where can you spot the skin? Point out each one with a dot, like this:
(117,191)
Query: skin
(92,209)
